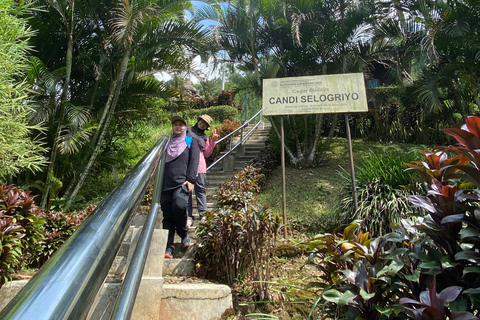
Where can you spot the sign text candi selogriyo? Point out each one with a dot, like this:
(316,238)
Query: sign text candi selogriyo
(339,93)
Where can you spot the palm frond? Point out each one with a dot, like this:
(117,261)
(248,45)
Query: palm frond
(77,116)
(428,92)
(208,13)
(150,87)
(42,111)
(72,138)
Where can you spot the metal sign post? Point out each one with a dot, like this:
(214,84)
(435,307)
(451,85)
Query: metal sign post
(284,189)
(352,166)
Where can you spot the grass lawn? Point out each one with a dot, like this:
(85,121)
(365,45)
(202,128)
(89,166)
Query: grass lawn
(313,193)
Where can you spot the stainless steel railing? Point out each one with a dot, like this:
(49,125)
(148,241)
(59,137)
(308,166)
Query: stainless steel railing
(242,137)
(66,286)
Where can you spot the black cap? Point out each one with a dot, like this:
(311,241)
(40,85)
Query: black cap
(178,118)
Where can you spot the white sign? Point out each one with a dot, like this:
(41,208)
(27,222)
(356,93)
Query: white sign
(339,93)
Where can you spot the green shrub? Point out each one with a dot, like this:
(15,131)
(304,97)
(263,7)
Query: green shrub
(21,228)
(267,159)
(29,236)
(239,191)
(381,199)
(226,98)
(238,239)
(11,234)
(219,113)
(379,278)
(97,187)
(237,244)
(17,150)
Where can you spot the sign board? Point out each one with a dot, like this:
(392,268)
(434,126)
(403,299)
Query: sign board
(338,93)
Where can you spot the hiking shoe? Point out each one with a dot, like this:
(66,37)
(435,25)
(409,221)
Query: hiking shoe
(189,222)
(186,242)
(168,254)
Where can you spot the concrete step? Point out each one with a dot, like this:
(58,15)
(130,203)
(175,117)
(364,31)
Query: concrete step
(254,138)
(211,202)
(183,262)
(251,153)
(187,299)
(213,182)
(255,146)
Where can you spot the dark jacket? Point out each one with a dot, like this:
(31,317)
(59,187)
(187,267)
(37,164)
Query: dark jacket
(198,135)
(181,169)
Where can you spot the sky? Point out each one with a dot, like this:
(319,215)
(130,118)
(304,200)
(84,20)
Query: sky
(206,68)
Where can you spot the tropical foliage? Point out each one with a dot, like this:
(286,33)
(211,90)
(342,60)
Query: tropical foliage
(18,150)
(29,236)
(381,191)
(412,47)
(21,228)
(95,61)
(426,261)
(94,71)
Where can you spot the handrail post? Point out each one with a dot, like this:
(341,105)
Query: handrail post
(241,136)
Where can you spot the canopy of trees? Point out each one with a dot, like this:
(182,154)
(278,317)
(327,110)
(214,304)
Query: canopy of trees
(93,62)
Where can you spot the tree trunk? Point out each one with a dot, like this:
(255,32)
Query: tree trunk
(332,130)
(108,111)
(53,155)
(291,121)
(289,152)
(318,137)
(97,78)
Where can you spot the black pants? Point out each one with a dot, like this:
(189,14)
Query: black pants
(174,206)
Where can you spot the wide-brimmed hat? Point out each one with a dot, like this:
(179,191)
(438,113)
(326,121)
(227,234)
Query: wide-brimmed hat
(207,119)
(178,118)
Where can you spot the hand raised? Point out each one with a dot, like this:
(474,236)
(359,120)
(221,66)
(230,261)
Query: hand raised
(215,135)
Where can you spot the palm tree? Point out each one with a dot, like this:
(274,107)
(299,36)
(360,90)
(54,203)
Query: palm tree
(67,135)
(154,34)
(68,18)
(241,30)
(436,51)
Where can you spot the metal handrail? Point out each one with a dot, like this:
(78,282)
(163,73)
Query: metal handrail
(242,139)
(66,286)
(126,297)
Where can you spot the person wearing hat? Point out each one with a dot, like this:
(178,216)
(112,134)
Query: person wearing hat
(206,146)
(181,165)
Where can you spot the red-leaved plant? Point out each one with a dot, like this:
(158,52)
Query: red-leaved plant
(433,305)
(451,202)
(386,277)
(21,228)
